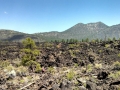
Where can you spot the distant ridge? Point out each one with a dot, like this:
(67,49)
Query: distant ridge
(79,31)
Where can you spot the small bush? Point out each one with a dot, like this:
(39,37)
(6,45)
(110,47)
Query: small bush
(22,81)
(119,55)
(72,53)
(70,75)
(4,64)
(21,69)
(76,65)
(38,68)
(51,69)
(37,65)
(28,43)
(107,45)
(9,68)
(116,65)
(98,66)
(89,67)
(48,45)
(73,45)
(35,52)
(115,75)
(26,51)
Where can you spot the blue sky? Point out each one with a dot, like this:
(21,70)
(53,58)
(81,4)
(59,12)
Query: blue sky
(32,16)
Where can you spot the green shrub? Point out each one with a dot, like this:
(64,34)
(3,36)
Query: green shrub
(93,41)
(25,59)
(38,67)
(115,75)
(51,69)
(119,55)
(89,67)
(35,52)
(98,66)
(107,45)
(21,69)
(70,75)
(47,44)
(28,43)
(76,65)
(26,51)
(4,64)
(9,68)
(22,81)
(72,53)
(73,45)
(29,54)
(116,65)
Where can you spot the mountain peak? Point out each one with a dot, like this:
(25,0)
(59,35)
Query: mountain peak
(101,23)
(79,24)
(97,24)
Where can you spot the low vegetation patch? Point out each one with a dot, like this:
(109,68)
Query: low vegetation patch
(115,75)
(4,64)
(116,65)
(70,75)
(89,67)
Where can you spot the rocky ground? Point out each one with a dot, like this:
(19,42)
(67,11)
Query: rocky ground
(64,66)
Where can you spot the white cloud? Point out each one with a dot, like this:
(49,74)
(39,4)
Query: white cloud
(5,12)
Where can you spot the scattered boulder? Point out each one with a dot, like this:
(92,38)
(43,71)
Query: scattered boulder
(115,83)
(90,85)
(11,74)
(82,88)
(102,75)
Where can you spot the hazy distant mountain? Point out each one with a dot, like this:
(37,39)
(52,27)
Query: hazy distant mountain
(11,35)
(8,34)
(113,31)
(79,31)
